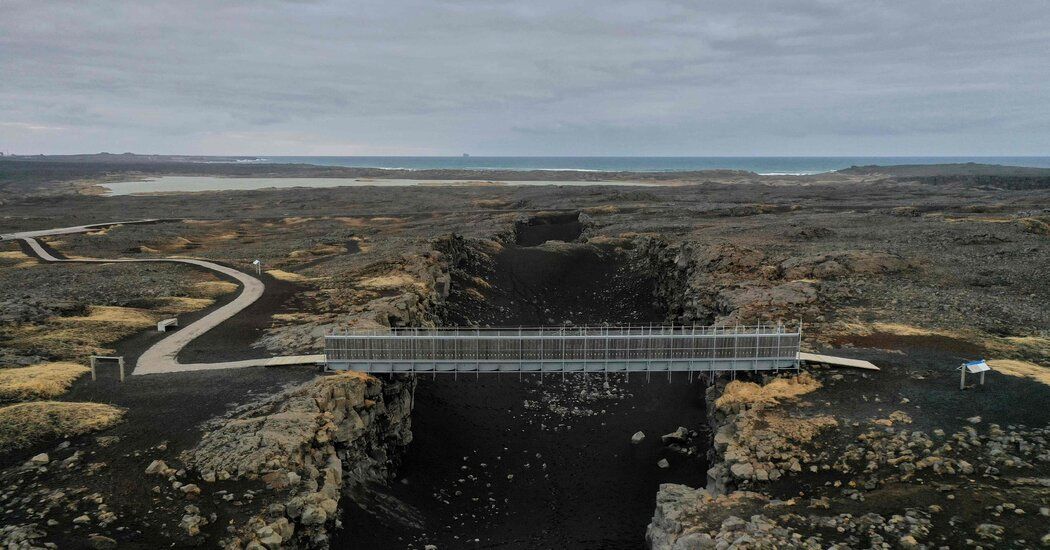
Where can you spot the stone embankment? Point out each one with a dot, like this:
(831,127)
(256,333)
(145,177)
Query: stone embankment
(313,443)
(406,291)
(781,464)
(729,284)
(755,443)
(306,444)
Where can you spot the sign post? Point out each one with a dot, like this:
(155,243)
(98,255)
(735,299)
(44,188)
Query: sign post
(973,367)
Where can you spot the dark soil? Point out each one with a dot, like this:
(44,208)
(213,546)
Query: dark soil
(554,285)
(551,227)
(165,408)
(922,381)
(233,339)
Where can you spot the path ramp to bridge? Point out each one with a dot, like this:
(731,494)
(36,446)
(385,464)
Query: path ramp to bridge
(836,361)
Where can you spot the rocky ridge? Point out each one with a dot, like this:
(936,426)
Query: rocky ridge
(306,444)
(771,440)
(732,284)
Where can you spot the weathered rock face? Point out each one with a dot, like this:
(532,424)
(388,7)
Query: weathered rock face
(693,519)
(403,292)
(684,516)
(726,283)
(308,440)
(832,265)
(752,443)
(721,283)
(747,446)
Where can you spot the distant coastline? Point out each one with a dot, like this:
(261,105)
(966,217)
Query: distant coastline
(90,174)
(761,165)
(771,166)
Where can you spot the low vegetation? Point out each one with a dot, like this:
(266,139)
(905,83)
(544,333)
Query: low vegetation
(389,281)
(16,259)
(288,276)
(1023,369)
(81,335)
(213,289)
(43,381)
(745,393)
(23,424)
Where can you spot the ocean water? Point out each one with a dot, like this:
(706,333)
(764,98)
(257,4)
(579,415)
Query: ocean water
(761,165)
(193,184)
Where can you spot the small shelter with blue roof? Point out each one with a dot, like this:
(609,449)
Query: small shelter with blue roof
(972,367)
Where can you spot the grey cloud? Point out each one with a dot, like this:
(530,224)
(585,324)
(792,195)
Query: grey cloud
(507,77)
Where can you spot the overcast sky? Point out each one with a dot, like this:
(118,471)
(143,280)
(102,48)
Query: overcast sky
(526,77)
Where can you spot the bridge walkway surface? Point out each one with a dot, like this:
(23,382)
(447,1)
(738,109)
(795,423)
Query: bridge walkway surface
(564,349)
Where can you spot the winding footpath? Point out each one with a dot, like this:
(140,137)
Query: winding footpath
(162,357)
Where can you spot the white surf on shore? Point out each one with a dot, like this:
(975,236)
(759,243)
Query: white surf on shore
(192,184)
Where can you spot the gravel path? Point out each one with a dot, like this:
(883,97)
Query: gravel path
(162,356)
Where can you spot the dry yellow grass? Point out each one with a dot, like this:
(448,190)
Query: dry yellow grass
(175,245)
(176,305)
(898,329)
(980,219)
(213,289)
(113,315)
(16,259)
(318,250)
(1035,226)
(363,245)
(282,275)
(288,317)
(603,209)
(23,424)
(490,247)
(43,381)
(490,203)
(738,392)
(1038,346)
(78,336)
(1021,369)
(352,222)
(389,281)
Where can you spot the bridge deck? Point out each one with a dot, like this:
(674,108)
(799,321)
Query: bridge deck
(577,349)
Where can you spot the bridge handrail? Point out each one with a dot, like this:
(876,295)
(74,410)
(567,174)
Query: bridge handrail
(555,336)
(611,330)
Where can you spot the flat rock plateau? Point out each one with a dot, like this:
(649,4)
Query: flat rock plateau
(915,270)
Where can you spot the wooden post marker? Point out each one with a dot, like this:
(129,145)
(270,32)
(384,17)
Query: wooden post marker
(118,358)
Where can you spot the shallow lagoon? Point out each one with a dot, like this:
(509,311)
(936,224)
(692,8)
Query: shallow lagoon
(190,184)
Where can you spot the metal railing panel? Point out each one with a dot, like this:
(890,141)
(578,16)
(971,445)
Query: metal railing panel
(566,349)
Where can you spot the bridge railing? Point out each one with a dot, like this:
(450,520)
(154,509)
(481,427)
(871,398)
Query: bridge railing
(629,348)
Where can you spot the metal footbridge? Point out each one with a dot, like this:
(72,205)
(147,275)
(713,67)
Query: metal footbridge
(647,349)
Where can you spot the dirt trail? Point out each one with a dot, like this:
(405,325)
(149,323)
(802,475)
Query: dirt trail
(162,357)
